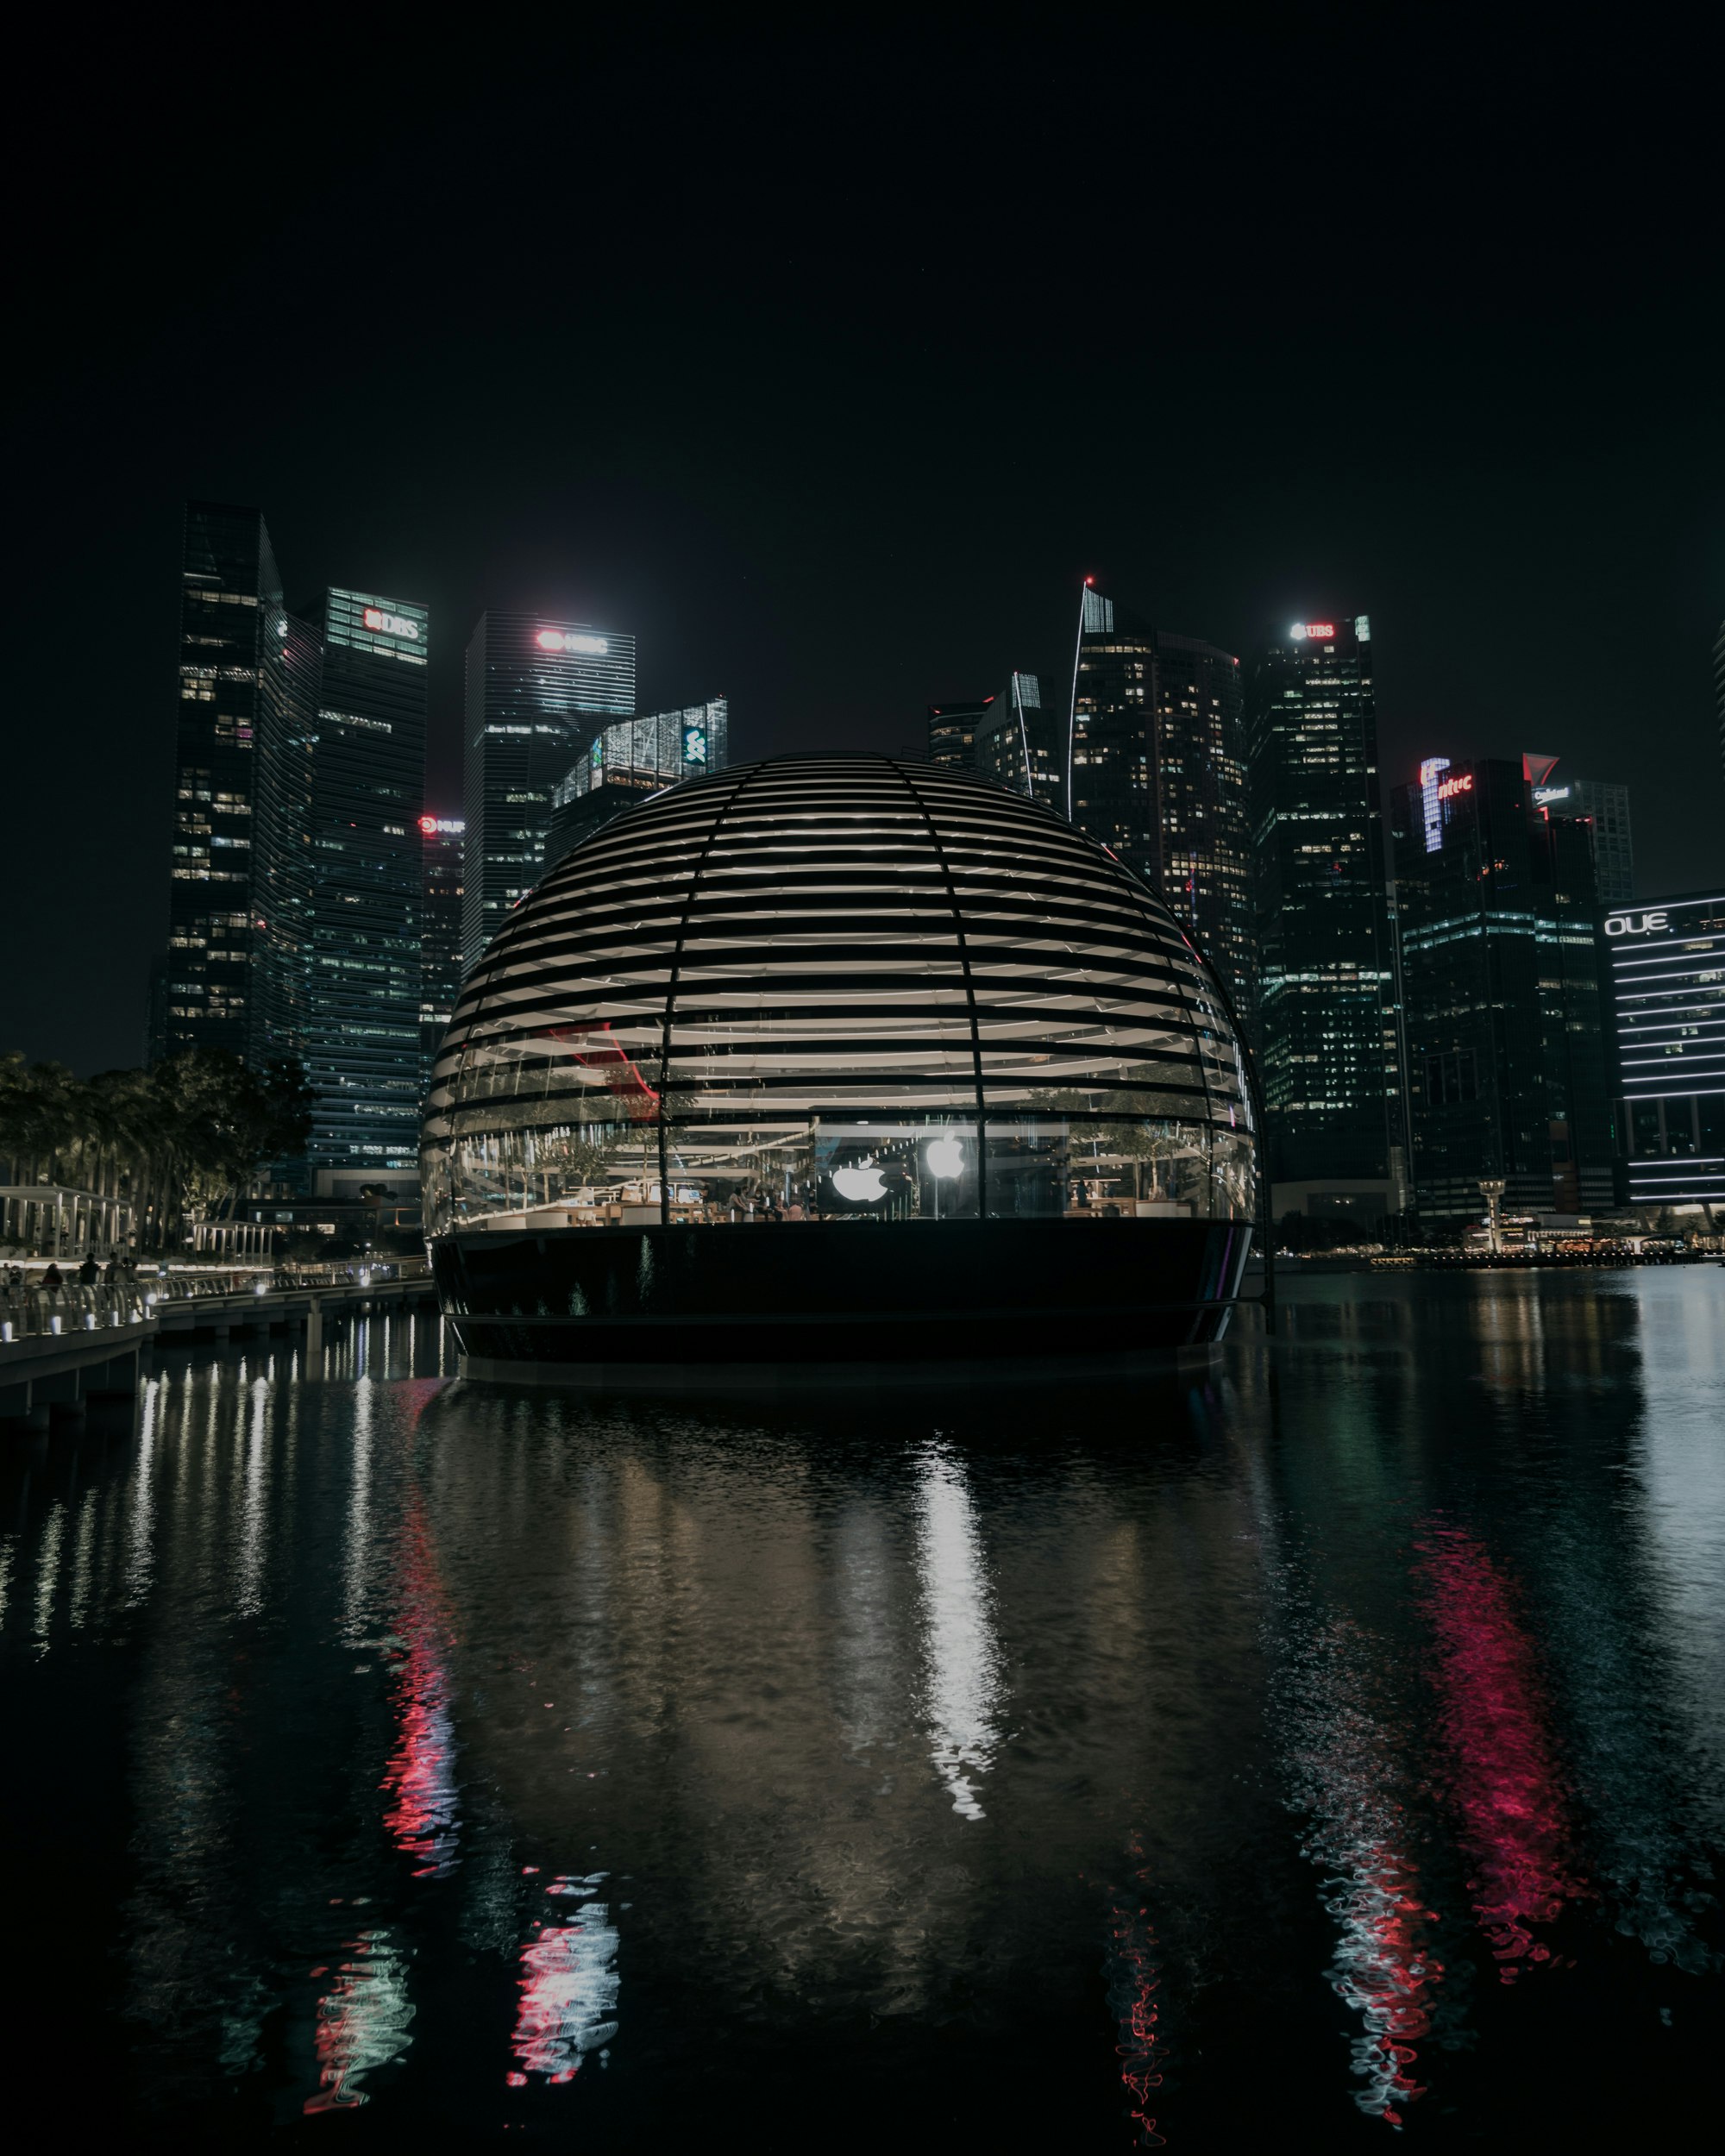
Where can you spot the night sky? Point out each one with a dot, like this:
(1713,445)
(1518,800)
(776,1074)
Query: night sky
(828,365)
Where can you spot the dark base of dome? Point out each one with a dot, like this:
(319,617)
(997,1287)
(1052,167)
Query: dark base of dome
(969,1375)
(838,1294)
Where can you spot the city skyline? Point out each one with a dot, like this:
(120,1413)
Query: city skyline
(763,432)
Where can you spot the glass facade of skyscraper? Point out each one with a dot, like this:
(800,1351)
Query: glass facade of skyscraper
(1507,1057)
(952,730)
(537,691)
(1667,986)
(230,597)
(359,1037)
(1327,1015)
(628,761)
(1022,743)
(284,861)
(443,851)
(1603,804)
(1158,776)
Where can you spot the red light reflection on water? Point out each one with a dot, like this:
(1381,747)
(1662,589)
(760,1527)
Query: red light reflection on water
(568,1987)
(421,1771)
(1502,1763)
(1133,1954)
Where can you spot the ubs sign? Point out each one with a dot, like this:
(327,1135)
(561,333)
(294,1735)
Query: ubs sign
(1637,924)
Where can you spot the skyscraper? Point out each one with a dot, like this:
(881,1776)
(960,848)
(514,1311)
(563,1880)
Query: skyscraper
(1327,1015)
(1507,1074)
(537,691)
(1022,743)
(442,854)
(1719,688)
(1603,804)
(359,1033)
(246,695)
(1667,986)
(1158,773)
(632,760)
(952,731)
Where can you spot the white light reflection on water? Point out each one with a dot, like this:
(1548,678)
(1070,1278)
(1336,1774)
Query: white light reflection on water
(1346,1773)
(253,1506)
(568,1985)
(138,1567)
(1678,1458)
(363,2021)
(962,1661)
(84,1551)
(358,1516)
(48,1573)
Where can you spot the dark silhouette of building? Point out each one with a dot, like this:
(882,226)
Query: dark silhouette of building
(1325,1016)
(952,730)
(239,883)
(1603,804)
(1507,1073)
(442,854)
(1022,741)
(537,691)
(359,1033)
(1158,775)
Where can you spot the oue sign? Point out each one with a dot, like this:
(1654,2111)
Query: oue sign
(568,640)
(1637,924)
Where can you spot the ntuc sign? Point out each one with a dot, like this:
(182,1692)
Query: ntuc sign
(1637,924)
(1448,788)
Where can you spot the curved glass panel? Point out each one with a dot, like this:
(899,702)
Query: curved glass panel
(838,989)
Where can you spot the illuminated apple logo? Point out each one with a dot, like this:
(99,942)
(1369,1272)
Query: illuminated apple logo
(862,1185)
(943,1157)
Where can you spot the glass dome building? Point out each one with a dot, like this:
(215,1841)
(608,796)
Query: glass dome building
(836,1058)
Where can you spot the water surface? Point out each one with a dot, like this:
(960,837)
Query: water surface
(1299,1759)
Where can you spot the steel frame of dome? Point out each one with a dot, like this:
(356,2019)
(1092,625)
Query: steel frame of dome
(836,1059)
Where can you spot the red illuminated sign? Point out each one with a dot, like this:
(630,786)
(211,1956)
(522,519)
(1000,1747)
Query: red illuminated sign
(1321,628)
(392,624)
(428,824)
(1450,787)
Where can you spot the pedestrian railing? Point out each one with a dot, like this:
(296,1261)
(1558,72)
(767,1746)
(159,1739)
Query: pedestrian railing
(33,1311)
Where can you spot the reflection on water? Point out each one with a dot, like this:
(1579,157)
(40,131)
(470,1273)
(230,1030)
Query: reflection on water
(568,1987)
(362,2021)
(1496,1753)
(1347,1771)
(1197,1765)
(963,1683)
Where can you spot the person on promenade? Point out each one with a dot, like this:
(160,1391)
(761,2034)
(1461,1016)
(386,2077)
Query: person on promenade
(89,1272)
(51,1281)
